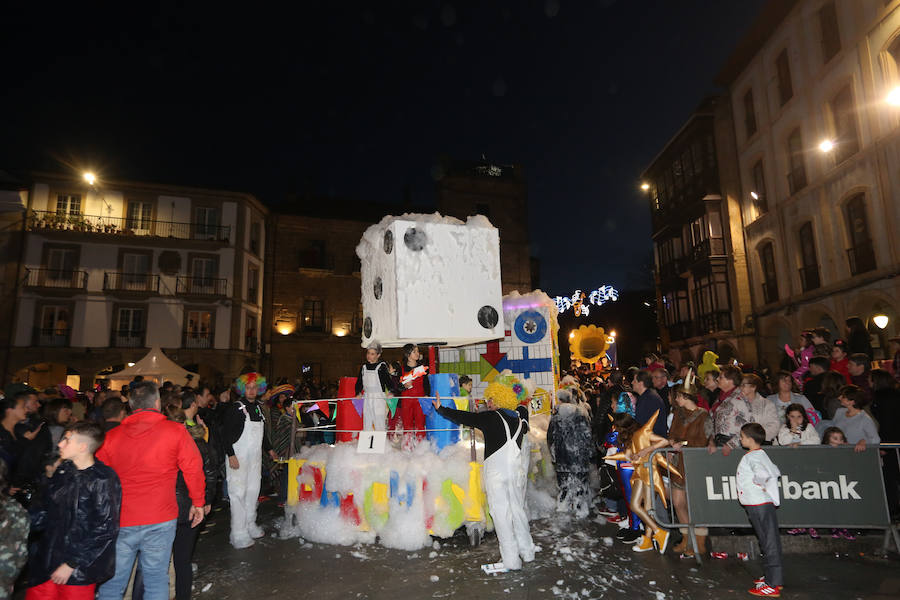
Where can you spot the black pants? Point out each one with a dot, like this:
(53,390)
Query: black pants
(765,524)
(182,550)
(891,470)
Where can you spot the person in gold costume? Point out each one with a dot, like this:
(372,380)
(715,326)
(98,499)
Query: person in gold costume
(639,442)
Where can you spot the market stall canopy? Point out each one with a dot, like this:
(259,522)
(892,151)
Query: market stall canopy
(155,366)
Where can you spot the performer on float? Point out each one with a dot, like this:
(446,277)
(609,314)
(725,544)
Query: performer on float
(639,441)
(415,385)
(245,440)
(504,426)
(374,382)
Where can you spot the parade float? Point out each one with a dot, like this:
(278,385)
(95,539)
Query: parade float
(428,279)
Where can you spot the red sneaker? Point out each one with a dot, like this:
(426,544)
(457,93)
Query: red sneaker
(765,590)
(616,518)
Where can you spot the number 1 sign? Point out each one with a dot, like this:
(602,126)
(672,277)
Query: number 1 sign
(371,442)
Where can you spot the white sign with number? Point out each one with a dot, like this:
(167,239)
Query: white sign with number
(371,442)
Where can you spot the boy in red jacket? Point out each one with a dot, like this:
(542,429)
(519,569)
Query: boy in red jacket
(146,451)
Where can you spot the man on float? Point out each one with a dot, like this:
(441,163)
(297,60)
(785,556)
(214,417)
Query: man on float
(504,425)
(373,381)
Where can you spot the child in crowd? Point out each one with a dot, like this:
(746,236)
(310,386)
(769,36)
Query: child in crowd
(834,437)
(757,487)
(79,520)
(797,430)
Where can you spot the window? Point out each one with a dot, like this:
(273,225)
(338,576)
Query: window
(198,329)
(253,284)
(206,222)
(759,188)
(54,327)
(770,277)
(135,270)
(251,339)
(845,130)
(861,253)
(797,174)
(831,35)
(255,238)
(203,270)
(61,264)
(313,256)
(749,114)
(68,204)
(313,315)
(676,314)
(129,332)
(809,271)
(711,302)
(785,87)
(137,217)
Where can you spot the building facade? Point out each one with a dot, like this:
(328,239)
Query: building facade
(110,269)
(700,272)
(818,146)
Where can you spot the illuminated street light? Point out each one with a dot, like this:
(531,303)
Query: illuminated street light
(881,320)
(826,146)
(130,364)
(645,186)
(893,98)
(612,333)
(571,335)
(754,195)
(90,178)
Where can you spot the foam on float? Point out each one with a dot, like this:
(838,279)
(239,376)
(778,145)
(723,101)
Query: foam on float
(430,278)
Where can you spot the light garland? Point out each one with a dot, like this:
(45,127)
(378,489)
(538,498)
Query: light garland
(598,297)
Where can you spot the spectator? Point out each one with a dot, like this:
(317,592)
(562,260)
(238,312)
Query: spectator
(747,406)
(858,338)
(58,414)
(15,525)
(12,412)
(787,394)
(147,451)
(857,425)
(894,345)
(797,430)
(806,353)
(886,409)
(79,517)
(728,380)
(859,374)
(648,403)
(834,437)
(95,413)
(571,450)
(661,385)
(840,359)
(812,386)
(821,335)
(709,393)
(36,442)
(114,411)
(832,384)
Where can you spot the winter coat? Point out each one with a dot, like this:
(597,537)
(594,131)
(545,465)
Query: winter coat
(808,437)
(210,474)
(14,524)
(146,451)
(569,440)
(35,453)
(735,412)
(78,516)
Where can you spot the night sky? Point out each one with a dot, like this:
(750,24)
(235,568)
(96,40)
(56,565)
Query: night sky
(357,100)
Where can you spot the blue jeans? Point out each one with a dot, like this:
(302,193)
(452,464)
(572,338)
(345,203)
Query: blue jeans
(153,545)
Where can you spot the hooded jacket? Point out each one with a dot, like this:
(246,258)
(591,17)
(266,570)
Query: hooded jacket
(78,518)
(210,474)
(146,451)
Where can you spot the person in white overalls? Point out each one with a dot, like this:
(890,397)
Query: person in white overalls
(504,427)
(245,440)
(374,382)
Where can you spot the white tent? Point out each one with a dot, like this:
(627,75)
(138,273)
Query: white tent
(156,366)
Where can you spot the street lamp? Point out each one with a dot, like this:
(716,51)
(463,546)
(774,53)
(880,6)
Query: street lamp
(754,195)
(90,178)
(893,97)
(571,335)
(826,146)
(645,186)
(881,320)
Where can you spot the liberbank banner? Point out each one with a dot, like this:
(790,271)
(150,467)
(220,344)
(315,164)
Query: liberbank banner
(820,486)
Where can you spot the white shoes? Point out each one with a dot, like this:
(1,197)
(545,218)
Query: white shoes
(256,531)
(242,542)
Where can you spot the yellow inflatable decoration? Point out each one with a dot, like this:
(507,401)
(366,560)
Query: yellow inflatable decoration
(588,344)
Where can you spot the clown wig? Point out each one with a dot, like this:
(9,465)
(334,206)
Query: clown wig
(241,383)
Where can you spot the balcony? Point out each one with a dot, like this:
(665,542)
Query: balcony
(714,246)
(796,180)
(719,320)
(809,278)
(127,339)
(861,257)
(770,292)
(197,340)
(45,220)
(208,287)
(57,337)
(59,279)
(671,270)
(138,283)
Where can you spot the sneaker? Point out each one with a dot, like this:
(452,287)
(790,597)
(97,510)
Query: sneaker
(765,590)
(620,534)
(813,533)
(645,544)
(631,536)
(846,535)
(608,513)
(242,542)
(256,532)
(624,524)
(614,517)
(662,538)
(795,531)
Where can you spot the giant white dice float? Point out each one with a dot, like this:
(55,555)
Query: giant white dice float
(428,278)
